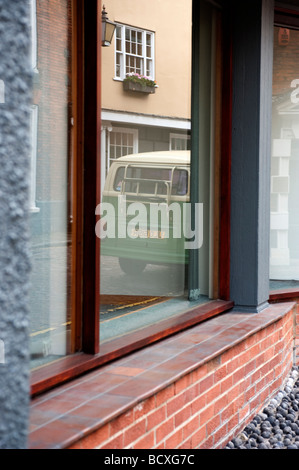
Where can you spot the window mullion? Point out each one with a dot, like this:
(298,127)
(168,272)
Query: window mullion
(145,53)
(123,55)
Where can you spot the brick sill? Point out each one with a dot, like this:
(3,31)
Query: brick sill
(72,411)
(70,367)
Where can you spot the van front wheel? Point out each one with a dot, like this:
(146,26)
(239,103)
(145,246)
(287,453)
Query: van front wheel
(131,266)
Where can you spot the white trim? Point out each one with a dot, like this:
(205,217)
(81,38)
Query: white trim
(123,52)
(146,120)
(185,137)
(33,35)
(33,155)
(2,91)
(107,128)
(122,130)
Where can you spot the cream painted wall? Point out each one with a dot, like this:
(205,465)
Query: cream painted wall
(171,22)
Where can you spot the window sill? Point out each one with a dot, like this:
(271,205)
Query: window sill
(65,415)
(34,210)
(70,367)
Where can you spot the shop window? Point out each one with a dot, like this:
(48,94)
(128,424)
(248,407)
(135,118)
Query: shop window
(145,259)
(284,249)
(97,297)
(51,238)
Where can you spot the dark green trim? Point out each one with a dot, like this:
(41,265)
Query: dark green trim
(193,279)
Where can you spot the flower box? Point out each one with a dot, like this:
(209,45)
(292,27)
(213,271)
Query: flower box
(129,85)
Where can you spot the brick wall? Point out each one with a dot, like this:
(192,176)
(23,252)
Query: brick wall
(295,325)
(286,62)
(52,94)
(207,407)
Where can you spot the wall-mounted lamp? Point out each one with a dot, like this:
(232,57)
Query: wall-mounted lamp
(108,28)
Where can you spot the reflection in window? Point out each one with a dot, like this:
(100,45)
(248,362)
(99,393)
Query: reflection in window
(122,142)
(50,317)
(144,260)
(33,132)
(151,181)
(134,52)
(33,34)
(179,142)
(284,254)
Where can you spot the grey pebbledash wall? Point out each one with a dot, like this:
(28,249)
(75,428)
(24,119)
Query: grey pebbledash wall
(15,80)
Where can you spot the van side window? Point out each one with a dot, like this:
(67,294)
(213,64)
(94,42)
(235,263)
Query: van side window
(149,180)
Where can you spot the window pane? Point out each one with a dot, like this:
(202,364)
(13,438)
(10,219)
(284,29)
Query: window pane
(144,254)
(284,254)
(118,31)
(151,180)
(130,140)
(51,237)
(121,143)
(118,65)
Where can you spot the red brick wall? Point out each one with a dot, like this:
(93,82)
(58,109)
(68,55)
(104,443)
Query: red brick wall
(209,406)
(296,326)
(286,62)
(52,94)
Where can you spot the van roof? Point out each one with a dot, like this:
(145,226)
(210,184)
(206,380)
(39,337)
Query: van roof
(168,157)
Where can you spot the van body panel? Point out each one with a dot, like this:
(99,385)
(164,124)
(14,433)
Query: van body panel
(160,181)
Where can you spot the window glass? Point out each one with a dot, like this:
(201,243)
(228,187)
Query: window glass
(284,247)
(51,240)
(179,142)
(145,223)
(144,181)
(121,142)
(134,52)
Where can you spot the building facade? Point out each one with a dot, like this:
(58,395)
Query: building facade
(126,347)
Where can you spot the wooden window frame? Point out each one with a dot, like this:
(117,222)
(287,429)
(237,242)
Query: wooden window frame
(87,174)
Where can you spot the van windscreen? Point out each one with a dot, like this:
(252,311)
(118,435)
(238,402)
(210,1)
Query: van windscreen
(151,180)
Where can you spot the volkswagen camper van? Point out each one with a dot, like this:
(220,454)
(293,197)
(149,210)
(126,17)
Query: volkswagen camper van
(142,209)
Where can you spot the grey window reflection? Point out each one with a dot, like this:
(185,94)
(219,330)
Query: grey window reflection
(284,250)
